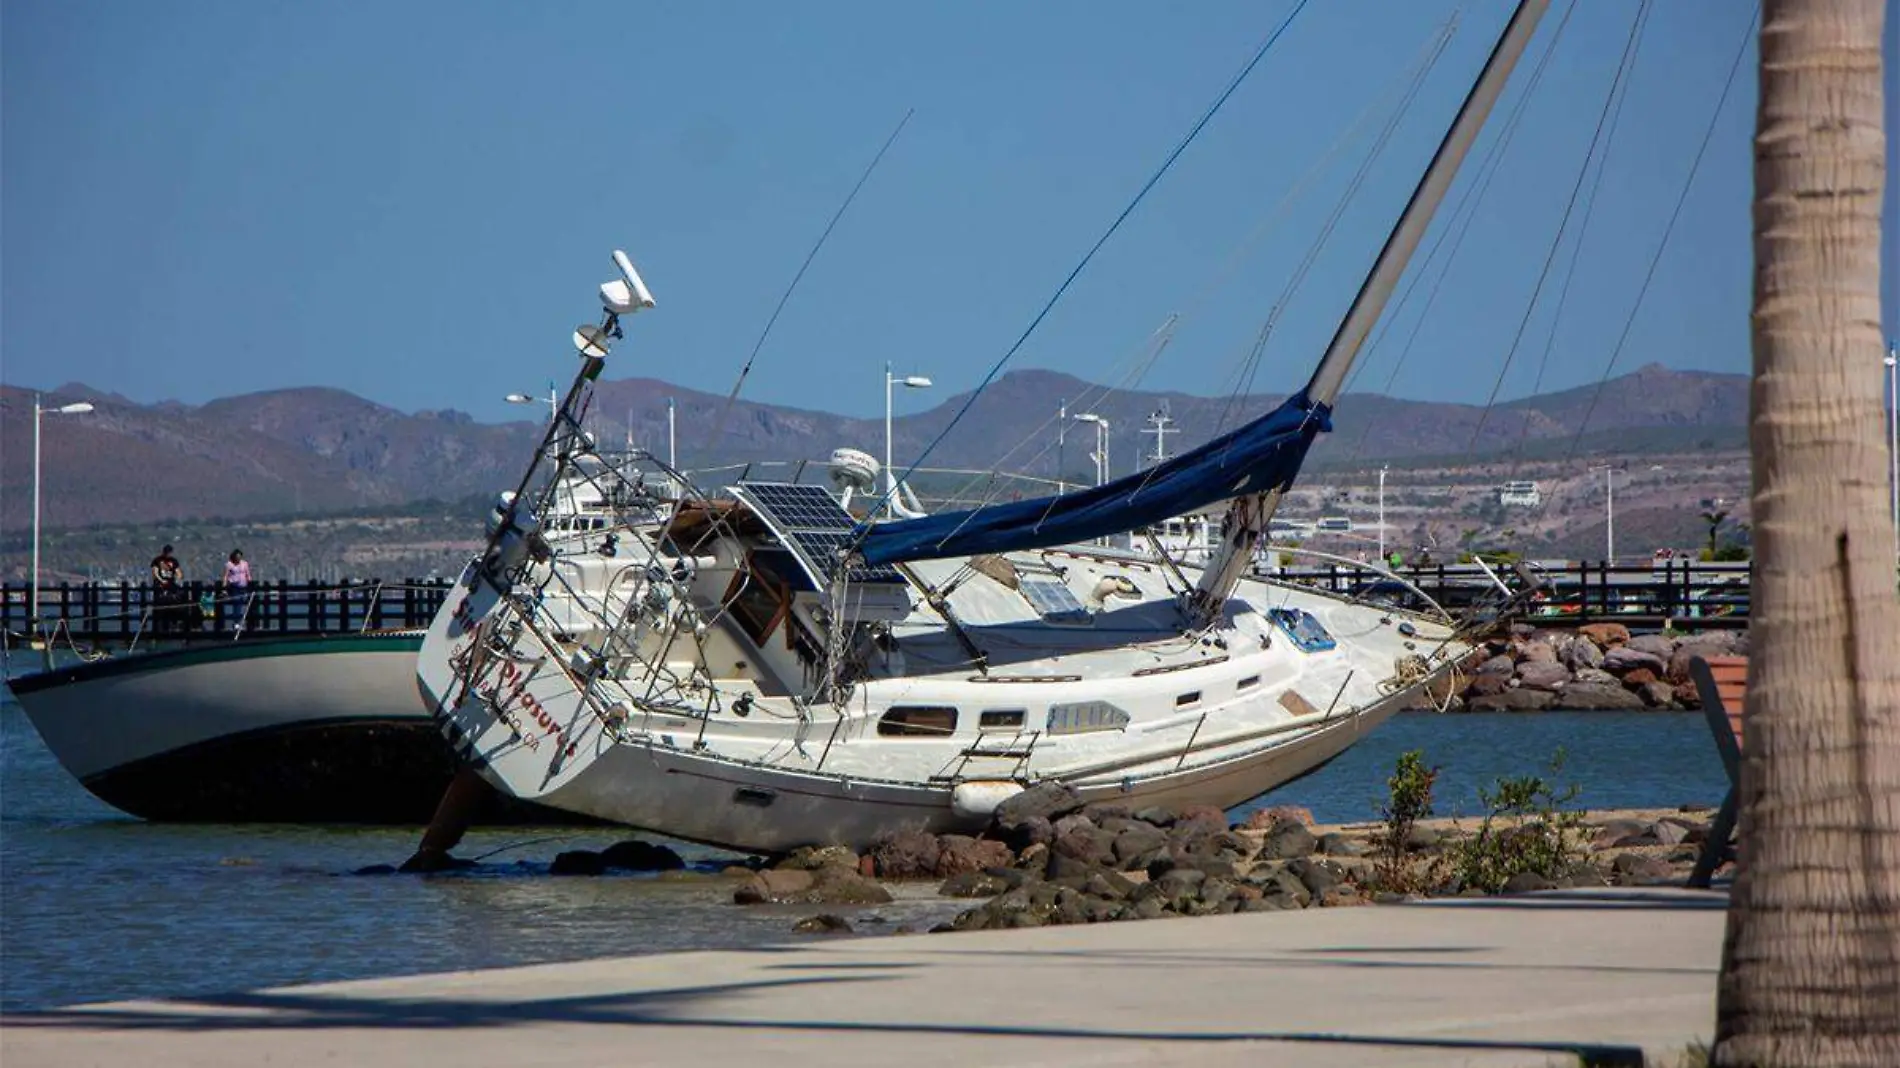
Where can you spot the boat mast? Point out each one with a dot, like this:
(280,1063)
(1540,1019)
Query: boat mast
(1249,516)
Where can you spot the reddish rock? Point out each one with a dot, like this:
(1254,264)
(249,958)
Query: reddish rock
(959,853)
(1208,814)
(774,884)
(1657,694)
(1488,685)
(1687,695)
(906,855)
(1638,677)
(824,886)
(1262,819)
(1605,634)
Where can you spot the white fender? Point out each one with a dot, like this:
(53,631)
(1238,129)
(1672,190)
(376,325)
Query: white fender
(978,798)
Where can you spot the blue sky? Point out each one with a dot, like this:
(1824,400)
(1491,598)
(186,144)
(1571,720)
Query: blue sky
(415,201)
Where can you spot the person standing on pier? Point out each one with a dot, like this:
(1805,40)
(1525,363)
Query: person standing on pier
(236,586)
(166,591)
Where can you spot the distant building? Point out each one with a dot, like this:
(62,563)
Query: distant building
(1520,495)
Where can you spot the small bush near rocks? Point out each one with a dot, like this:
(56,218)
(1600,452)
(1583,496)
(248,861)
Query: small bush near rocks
(1408,800)
(1525,831)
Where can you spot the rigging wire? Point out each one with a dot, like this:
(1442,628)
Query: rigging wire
(1563,227)
(1251,364)
(1451,239)
(1721,102)
(1154,179)
(720,426)
(1619,90)
(1649,274)
(1145,357)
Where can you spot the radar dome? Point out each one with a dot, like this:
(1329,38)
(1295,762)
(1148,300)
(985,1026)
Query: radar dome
(853,469)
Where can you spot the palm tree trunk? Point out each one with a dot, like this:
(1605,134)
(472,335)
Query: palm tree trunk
(1811,964)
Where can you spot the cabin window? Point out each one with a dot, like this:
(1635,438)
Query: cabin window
(1002,717)
(912,720)
(1192,697)
(756,606)
(1081,717)
(1247,683)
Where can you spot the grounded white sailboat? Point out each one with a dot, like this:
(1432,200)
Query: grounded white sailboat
(762,670)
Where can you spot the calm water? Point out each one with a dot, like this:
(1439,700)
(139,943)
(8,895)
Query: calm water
(96,906)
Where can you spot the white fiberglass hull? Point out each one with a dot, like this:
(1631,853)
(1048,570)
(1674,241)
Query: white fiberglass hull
(1215,722)
(697,797)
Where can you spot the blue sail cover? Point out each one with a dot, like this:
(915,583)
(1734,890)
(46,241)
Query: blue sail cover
(1262,455)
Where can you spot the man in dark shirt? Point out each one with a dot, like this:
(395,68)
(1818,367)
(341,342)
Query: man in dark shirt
(166,592)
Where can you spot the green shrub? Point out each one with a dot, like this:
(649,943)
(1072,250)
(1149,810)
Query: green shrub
(1525,829)
(1408,800)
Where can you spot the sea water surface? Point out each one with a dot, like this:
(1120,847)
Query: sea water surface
(97,906)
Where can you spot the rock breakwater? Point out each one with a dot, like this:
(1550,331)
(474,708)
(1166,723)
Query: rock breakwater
(1600,666)
(1057,861)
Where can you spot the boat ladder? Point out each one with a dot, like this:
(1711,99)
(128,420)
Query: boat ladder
(1015,745)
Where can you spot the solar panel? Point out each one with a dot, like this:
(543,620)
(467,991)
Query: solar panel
(1053,600)
(814,525)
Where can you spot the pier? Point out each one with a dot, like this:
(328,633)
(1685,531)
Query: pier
(1682,594)
(133,612)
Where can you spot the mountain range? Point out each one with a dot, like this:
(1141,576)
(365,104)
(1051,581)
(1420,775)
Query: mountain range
(317,450)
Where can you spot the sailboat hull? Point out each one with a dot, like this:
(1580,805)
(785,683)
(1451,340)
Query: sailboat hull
(698,796)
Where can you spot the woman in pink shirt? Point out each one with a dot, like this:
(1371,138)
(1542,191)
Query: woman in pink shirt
(237,584)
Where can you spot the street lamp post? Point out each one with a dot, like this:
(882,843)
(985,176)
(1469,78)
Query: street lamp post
(554,401)
(890,476)
(1609,511)
(1101,443)
(1062,437)
(39,413)
(1382,470)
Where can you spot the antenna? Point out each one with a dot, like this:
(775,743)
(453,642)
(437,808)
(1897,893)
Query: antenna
(626,294)
(1161,424)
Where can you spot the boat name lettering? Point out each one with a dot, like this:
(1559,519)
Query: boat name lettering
(511,671)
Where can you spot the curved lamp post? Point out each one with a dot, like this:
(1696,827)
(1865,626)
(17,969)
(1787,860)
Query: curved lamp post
(39,413)
(890,382)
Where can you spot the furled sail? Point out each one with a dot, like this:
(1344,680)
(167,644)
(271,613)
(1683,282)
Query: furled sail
(1262,455)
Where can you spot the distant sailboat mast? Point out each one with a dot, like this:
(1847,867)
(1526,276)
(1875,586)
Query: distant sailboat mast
(1248,516)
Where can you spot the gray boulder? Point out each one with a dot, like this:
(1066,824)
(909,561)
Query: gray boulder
(1050,800)
(1580,652)
(1597,676)
(1543,675)
(1498,665)
(1655,645)
(1288,839)
(1593,697)
(1622,660)
(1520,699)
(973,884)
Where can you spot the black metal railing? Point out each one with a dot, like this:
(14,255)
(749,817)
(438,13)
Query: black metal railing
(1677,593)
(135,611)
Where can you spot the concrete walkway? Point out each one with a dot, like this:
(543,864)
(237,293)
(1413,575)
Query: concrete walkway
(1514,981)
